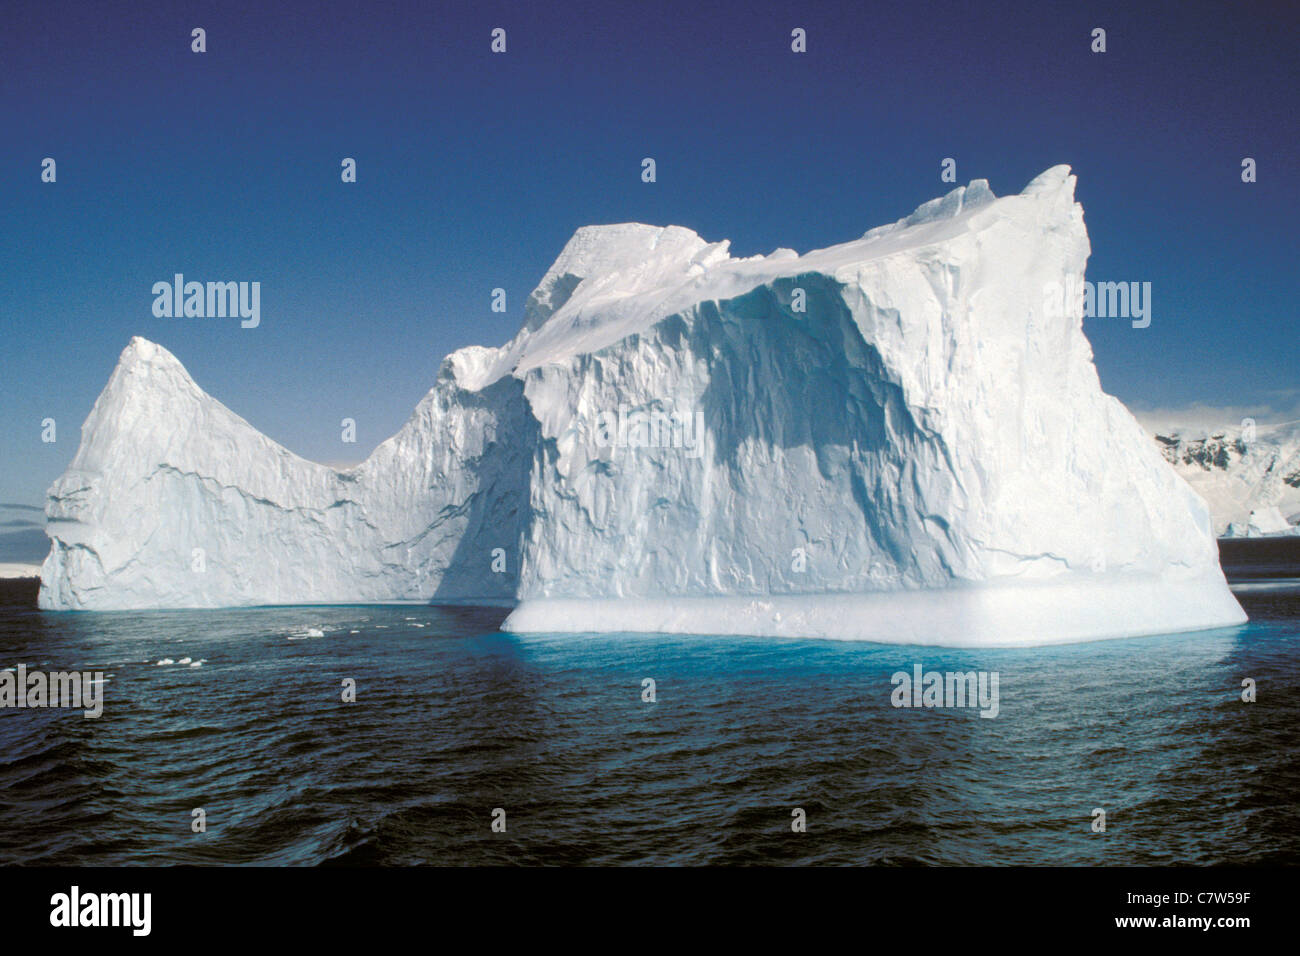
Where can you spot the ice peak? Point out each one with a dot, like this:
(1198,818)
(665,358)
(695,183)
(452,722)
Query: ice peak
(147,365)
(141,351)
(1051,180)
(595,251)
(602,248)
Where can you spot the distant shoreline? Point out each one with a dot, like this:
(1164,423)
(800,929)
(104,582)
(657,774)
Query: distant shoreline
(19,570)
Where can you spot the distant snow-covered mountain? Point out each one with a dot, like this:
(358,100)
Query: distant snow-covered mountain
(1249,474)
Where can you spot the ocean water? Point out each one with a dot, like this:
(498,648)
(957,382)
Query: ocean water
(454,719)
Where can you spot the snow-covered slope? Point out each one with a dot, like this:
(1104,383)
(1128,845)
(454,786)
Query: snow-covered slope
(886,439)
(1248,474)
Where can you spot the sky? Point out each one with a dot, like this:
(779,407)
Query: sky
(474,168)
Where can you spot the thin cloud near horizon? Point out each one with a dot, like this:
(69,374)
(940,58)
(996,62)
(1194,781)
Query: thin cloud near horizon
(1203,415)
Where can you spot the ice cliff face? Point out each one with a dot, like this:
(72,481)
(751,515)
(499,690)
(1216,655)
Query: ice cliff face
(888,439)
(1249,475)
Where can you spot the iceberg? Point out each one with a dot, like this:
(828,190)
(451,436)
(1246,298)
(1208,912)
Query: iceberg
(891,439)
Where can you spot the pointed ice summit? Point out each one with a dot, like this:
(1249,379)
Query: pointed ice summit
(890,439)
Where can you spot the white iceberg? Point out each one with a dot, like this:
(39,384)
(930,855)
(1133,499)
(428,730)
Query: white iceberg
(892,439)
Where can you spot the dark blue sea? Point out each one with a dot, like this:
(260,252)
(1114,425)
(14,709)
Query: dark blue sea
(454,719)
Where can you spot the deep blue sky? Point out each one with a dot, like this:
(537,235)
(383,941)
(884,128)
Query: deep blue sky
(475,168)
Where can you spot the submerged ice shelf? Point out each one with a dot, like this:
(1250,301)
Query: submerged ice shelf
(895,442)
